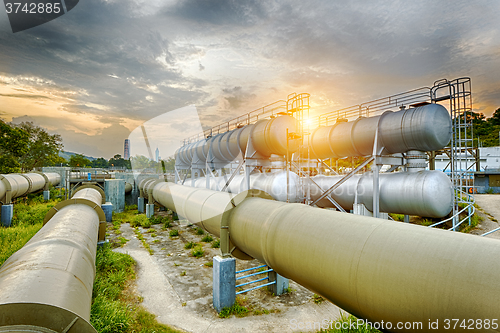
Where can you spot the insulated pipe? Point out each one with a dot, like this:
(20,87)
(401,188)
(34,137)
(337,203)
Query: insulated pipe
(422,193)
(268,137)
(46,286)
(425,128)
(375,269)
(273,184)
(16,185)
(128,187)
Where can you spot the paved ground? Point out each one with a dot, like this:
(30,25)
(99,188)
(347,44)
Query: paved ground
(177,288)
(489,210)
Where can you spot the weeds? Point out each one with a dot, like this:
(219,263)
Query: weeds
(207,239)
(190,245)
(318,299)
(173,233)
(197,251)
(216,244)
(199,231)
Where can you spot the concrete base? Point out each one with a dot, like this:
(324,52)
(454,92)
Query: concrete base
(108,211)
(140,205)
(224,282)
(100,244)
(281,285)
(150,210)
(7,213)
(407,218)
(114,189)
(46,195)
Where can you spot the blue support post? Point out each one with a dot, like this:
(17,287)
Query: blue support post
(46,195)
(224,282)
(140,205)
(7,213)
(281,285)
(150,210)
(108,211)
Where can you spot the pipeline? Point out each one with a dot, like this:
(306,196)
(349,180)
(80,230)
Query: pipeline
(423,193)
(128,187)
(17,185)
(268,137)
(46,286)
(425,128)
(375,269)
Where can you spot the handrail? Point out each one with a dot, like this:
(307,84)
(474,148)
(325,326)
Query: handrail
(470,201)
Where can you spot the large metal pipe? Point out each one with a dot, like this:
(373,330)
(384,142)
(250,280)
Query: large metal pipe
(268,137)
(16,185)
(375,269)
(422,193)
(425,128)
(46,286)
(271,183)
(128,187)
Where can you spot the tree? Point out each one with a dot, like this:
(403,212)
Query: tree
(79,160)
(100,163)
(43,148)
(118,161)
(495,118)
(13,145)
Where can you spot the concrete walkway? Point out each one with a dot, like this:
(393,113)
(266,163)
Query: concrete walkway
(160,298)
(489,210)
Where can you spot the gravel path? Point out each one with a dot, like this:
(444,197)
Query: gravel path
(187,304)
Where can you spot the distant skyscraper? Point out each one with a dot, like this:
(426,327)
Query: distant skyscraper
(126,149)
(157,155)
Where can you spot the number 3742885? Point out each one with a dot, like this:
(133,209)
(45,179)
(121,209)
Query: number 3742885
(33,8)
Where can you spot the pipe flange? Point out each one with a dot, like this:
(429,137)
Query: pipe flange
(94,186)
(7,198)
(47,181)
(42,318)
(30,184)
(75,201)
(227,248)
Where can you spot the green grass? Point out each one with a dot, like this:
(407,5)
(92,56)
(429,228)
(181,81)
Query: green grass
(173,233)
(161,220)
(144,243)
(397,217)
(190,245)
(237,309)
(26,221)
(216,244)
(197,251)
(199,231)
(318,299)
(114,308)
(343,325)
(140,220)
(207,239)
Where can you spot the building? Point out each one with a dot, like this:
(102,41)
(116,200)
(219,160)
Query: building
(126,149)
(157,155)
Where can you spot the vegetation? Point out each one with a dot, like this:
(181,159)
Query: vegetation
(197,251)
(200,231)
(13,145)
(173,233)
(485,129)
(343,325)
(114,307)
(79,160)
(318,299)
(190,245)
(207,238)
(216,244)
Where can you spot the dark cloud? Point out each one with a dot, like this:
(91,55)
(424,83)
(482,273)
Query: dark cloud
(236,97)
(220,12)
(27,96)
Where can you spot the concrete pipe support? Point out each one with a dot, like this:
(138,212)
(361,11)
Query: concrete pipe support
(375,269)
(47,285)
(425,128)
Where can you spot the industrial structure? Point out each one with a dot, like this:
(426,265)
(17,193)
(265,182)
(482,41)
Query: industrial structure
(260,181)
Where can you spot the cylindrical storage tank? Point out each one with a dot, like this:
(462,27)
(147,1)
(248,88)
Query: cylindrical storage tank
(423,193)
(48,283)
(424,128)
(269,136)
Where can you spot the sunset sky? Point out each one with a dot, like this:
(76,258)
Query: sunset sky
(99,71)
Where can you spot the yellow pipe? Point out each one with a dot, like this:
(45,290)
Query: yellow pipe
(375,269)
(47,285)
